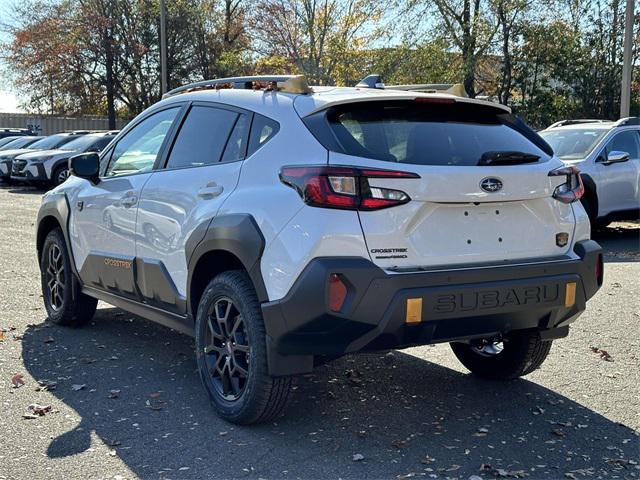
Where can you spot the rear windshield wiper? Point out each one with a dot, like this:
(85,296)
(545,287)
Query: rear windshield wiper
(507,158)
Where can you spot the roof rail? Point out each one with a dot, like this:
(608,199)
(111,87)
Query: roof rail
(282,83)
(627,121)
(562,123)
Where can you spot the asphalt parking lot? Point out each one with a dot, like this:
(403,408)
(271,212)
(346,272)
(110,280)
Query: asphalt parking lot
(125,399)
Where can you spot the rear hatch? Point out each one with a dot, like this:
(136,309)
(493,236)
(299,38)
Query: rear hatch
(481,192)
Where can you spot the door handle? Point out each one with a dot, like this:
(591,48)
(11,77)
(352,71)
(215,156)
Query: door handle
(129,201)
(210,190)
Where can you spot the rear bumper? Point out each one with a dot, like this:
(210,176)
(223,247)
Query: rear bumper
(459,304)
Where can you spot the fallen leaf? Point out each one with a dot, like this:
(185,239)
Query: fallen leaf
(39,410)
(1,335)
(17,380)
(357,457)
(604,355)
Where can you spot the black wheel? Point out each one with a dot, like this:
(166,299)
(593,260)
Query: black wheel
(513,356)
(231,352)
(60,174)
(63,300)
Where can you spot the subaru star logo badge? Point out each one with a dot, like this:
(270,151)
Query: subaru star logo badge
(491,184)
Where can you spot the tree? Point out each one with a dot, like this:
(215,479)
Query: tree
(317,36)
(469,25)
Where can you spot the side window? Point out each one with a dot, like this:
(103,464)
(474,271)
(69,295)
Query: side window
(202,137)
(137,151)
(263,129)
(237,144)
(626,141)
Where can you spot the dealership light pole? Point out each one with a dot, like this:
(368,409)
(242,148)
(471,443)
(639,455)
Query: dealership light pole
(163,47)
(627,68)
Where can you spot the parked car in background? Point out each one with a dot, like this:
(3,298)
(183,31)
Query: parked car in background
(607,154)
(14,132)
(44,143)
(50,167)
(12,143)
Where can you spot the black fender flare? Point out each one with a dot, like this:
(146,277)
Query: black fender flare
(56,206)
(237,234)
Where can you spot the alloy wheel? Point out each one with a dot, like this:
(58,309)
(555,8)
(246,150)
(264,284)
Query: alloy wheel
(489,348)
(55,277)
(62,175)
(227,349)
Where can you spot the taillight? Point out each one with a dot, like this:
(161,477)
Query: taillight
(572,189)
(344,187)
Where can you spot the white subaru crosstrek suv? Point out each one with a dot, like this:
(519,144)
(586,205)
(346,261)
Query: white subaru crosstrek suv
(284,226)
(608,157)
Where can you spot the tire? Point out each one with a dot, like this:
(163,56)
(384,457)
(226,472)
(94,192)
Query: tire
(232,355)
(60,174)
(522,353)
(63,300)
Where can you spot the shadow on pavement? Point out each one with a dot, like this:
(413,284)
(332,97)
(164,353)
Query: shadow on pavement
(620,241)
(404,415)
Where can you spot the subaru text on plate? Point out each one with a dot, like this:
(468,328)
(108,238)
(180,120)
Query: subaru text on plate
(285,226)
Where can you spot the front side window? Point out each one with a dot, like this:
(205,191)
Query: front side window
(624,142)
(202,137)
(138,150)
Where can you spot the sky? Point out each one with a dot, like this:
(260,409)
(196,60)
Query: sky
(8,100)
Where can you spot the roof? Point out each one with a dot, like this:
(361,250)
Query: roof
(320,98)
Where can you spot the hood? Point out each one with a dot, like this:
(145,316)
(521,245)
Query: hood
(30,155)
(14,153)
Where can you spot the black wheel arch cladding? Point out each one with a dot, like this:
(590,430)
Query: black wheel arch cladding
(54,213)
(236,234)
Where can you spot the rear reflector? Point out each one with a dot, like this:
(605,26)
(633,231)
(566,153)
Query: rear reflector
(414,310)
(337,292)
(599,270)
(570,294)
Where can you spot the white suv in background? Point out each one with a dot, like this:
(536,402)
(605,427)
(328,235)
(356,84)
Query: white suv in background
(608,157)
(285,226)
(51,167)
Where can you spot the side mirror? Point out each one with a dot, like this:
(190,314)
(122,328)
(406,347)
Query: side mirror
(616,156)
(85,165)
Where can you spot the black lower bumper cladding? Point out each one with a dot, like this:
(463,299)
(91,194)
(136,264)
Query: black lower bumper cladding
(458,304)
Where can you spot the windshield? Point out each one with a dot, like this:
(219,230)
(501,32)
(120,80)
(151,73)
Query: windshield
(573,144)
(54,141)
(20,142)
(426,134)
(85,142)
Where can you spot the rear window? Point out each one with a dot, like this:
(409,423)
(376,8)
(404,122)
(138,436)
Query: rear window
(427,133)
